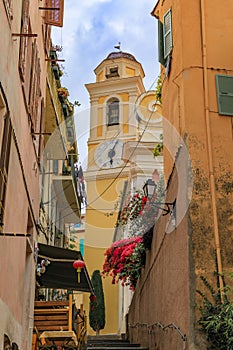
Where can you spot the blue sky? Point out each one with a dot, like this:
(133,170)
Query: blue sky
(91,30)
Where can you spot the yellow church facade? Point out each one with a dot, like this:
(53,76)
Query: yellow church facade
(114,128)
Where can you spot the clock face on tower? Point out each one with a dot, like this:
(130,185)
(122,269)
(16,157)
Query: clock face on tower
(108,154)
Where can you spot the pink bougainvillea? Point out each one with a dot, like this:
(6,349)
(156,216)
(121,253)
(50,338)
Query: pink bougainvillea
(124,260)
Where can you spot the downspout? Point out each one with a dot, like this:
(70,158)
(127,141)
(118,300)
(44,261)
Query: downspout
(209,146)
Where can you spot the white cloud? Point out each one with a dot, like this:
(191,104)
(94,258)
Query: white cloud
(93,27)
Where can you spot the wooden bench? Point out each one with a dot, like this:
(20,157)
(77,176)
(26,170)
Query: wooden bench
(53,322)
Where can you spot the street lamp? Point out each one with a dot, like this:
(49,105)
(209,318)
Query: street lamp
(149,190)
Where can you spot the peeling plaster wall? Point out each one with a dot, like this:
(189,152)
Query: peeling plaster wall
(166,292)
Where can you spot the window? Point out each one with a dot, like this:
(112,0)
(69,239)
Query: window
(113,111)
(4,163)
(24,39)
(165,37)
(55,17)
(47,38)
(225,94)
(41,137)
(112,72)
(34,88)
(8,7)
(167,33)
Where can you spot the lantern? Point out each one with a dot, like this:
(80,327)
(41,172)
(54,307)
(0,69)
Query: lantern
(149,189)
(78,265)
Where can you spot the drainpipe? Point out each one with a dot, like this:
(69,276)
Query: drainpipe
(209,146)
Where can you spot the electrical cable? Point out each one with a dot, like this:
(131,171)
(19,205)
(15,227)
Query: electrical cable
(130,156)
(115,137)
(126,163)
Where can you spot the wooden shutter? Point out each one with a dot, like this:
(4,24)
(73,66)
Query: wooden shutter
(24,40)
(161,43)
(8,7)
(47,38)
(167,33)
(54,17)
(4,162)
(41,137)
(34,91)
(225,94)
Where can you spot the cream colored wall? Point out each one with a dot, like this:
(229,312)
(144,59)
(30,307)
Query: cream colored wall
(98,237)
(94,258)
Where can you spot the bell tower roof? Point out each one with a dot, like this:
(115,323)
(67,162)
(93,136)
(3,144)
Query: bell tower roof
(118,65)
(120,54)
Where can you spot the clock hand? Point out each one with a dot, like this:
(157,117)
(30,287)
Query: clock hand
(112,152)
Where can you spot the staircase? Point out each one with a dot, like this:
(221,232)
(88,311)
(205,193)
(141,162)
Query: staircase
(106,342)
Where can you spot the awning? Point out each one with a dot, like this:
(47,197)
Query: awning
(59,273)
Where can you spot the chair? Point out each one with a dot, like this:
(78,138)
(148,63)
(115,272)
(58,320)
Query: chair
(42,346)
(81,341)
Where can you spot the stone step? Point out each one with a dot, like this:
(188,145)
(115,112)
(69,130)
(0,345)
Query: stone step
(98,340)
(111,342)
(117,344)
(105,337)
(123,347)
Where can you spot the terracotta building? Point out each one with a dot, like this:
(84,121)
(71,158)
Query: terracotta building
(23,82)
(195,52)
(30,111)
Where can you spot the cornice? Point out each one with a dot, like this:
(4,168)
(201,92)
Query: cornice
(130,84)
(96,174)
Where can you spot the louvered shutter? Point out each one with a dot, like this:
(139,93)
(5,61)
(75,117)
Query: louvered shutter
(55,17)
(24,40)
(225,94)
(161,43)
(167,33)
(8,7)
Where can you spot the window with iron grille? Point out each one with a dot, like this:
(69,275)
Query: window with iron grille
(224,85)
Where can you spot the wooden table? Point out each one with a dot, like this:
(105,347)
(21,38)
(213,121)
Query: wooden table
(61,337)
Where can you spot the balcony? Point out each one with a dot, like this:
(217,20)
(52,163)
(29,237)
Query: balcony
(65,187)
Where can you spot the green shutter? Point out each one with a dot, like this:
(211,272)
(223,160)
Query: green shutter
(161,43)
(225,94)
(167,33)
(81,246)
